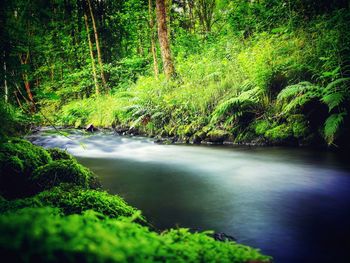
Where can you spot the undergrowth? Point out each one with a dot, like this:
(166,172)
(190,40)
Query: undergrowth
(234,83)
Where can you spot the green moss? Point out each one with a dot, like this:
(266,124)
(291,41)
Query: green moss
(32,156)
(43,234)
(62,171)
(281,132)
(262,126)
(18,159)
(299,125)
(75,200)
(59,154)
(217,136)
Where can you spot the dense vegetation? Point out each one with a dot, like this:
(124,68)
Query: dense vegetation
(200,71)
(244,71)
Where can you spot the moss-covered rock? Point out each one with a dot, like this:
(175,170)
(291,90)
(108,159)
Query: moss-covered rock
(18,159)
(280,132)
(31,155)
(43,234)
(217,136)
(59,154)
(62,171)
(75,200)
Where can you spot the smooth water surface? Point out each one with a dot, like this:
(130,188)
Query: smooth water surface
(294,204)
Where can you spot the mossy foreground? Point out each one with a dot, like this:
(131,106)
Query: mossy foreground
(65,220)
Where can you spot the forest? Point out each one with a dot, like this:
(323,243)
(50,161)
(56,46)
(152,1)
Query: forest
(211,74)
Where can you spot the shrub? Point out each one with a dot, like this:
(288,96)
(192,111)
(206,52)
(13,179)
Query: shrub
(62,171)
(42,234)
(18,159)
(12,120)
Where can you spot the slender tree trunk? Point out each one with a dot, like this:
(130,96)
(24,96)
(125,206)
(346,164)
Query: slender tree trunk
(5,79)
(168,65)
(192,23)
(97,88)
(18,101)
(24,61)
(99,57)
(153,43)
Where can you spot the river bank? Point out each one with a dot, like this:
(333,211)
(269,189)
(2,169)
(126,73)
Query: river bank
(201,138)
(75,220)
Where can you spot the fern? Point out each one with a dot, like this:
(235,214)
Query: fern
(235,107)
(336,93)
(295,96)
(332,126)
(333,100)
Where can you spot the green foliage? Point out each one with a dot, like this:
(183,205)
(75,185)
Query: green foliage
(18,159)
(246,61)
(332,126)
(236,107)
(44,235)
(296,96)
(13,120)
(62,171)
(336,96)
(337,93)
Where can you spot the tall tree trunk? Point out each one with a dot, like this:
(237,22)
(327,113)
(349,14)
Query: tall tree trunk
(24,58)
(5,79)
(99,57)
(168,65)
(97,88)
(153,44)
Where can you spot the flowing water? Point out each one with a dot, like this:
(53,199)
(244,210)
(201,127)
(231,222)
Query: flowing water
(293,204)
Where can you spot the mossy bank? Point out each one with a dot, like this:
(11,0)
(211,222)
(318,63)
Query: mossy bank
(53,210)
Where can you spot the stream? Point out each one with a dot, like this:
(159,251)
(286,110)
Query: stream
(292,203)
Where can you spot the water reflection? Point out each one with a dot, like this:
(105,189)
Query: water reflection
(292,203)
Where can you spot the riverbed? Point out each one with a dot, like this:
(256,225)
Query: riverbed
(292,203)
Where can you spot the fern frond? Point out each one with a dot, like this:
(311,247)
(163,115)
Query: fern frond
(336,93)
(298,95)
(296,90)
(333,100)
(332,126)
(157,114)
(336,84)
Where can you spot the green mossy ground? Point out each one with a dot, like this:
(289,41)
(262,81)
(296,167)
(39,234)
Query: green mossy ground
(68,221)
(18,160)
(61,171)
(43,234)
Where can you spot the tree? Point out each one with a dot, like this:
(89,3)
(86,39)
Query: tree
(97,88)
(153,44)
(168,65)
(99,56)
(205,12)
